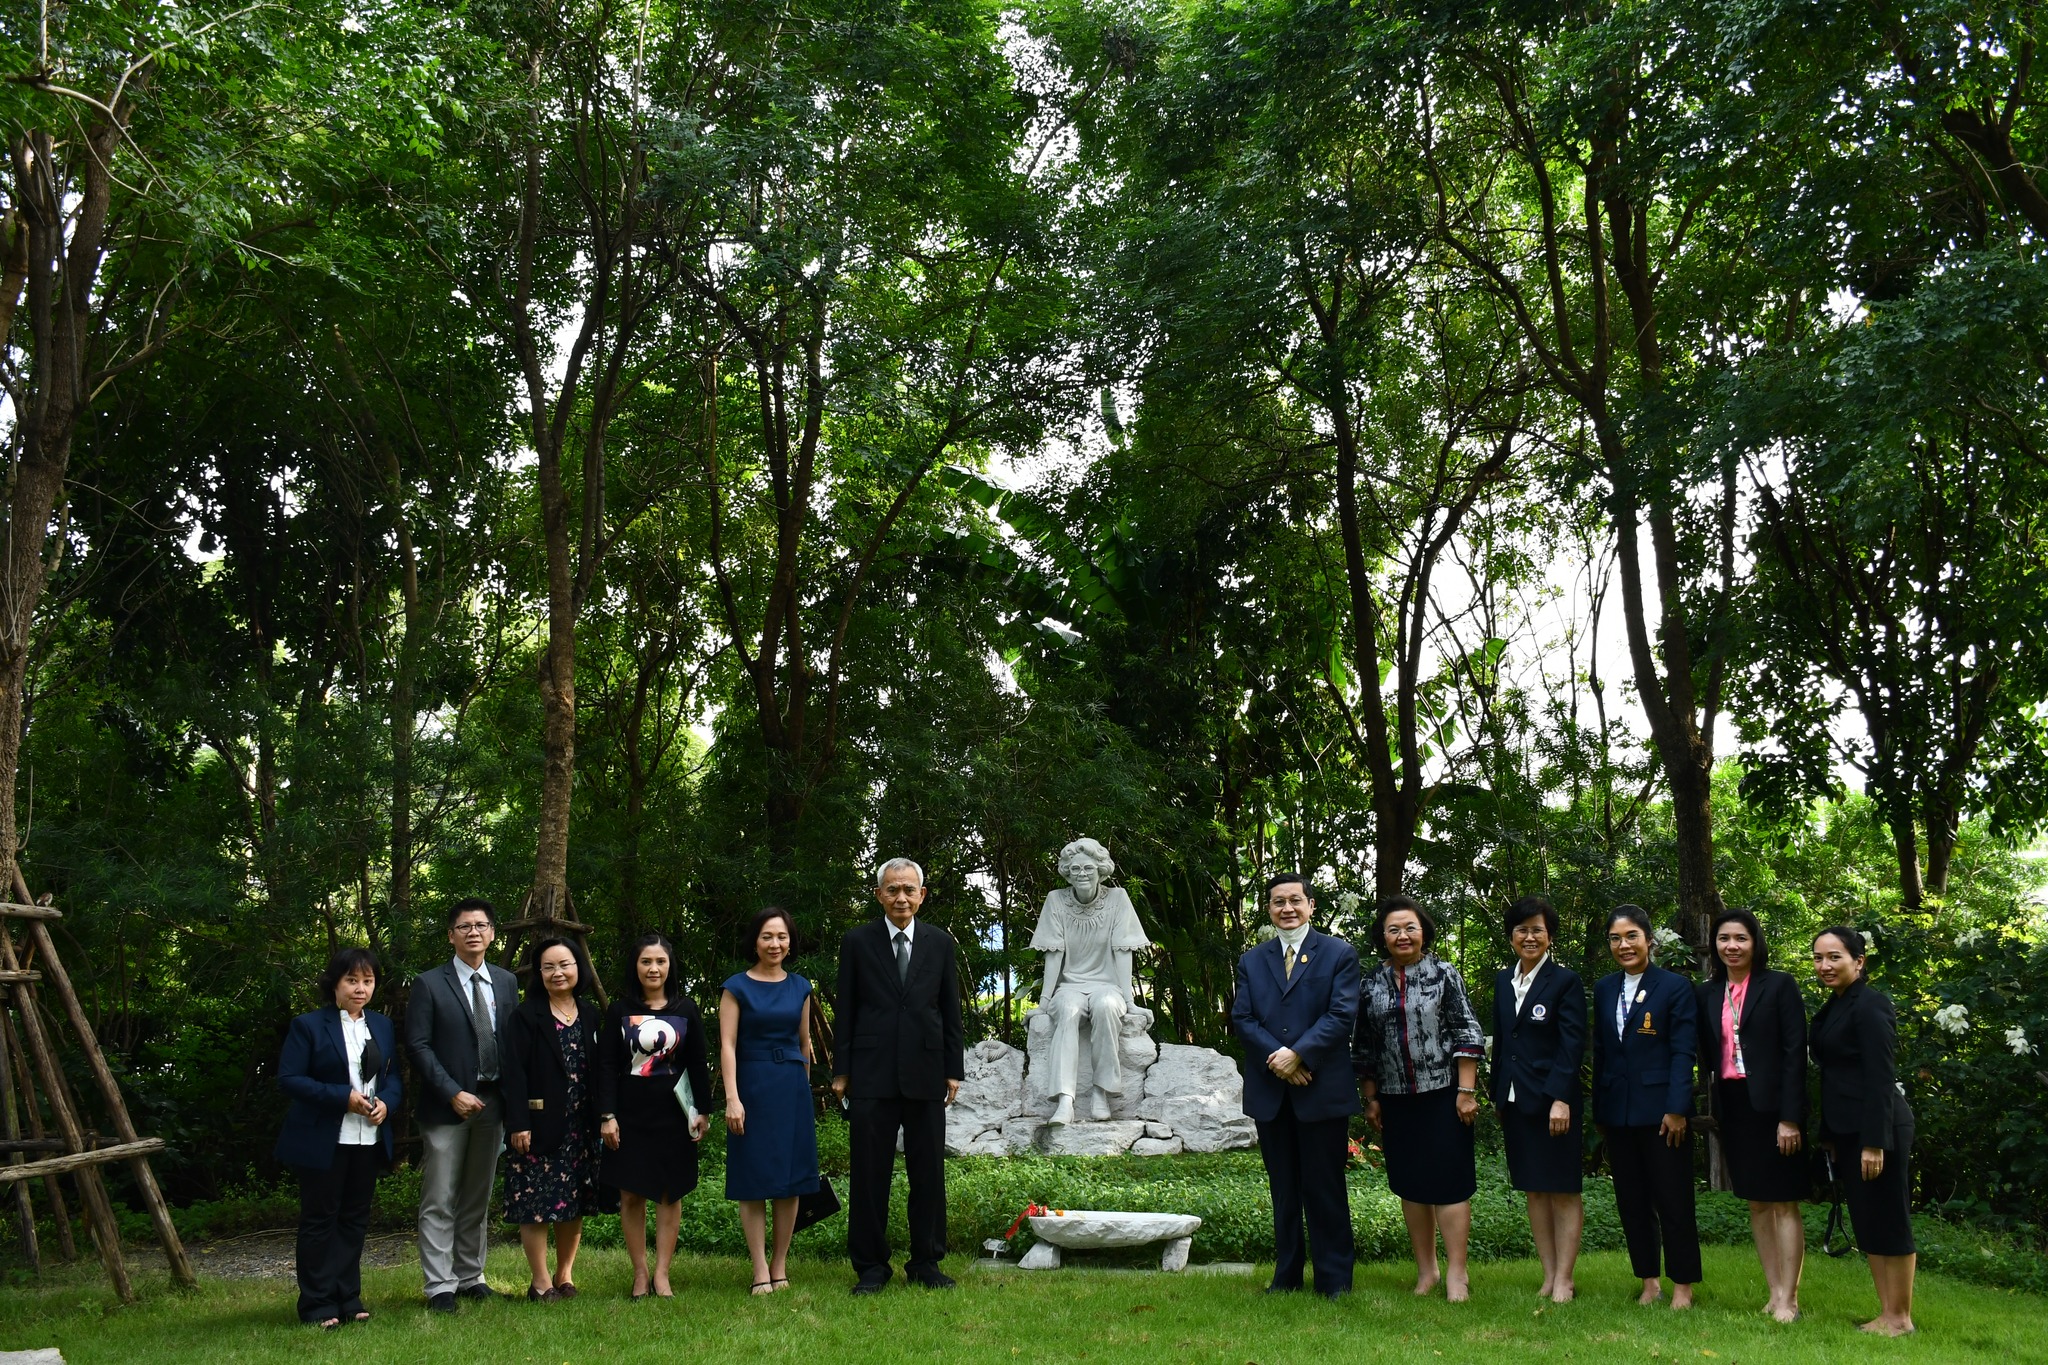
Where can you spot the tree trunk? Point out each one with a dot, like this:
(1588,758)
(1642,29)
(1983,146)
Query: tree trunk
(557,691)
(59,290)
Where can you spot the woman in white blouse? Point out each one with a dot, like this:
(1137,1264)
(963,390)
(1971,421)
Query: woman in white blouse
(340,1067)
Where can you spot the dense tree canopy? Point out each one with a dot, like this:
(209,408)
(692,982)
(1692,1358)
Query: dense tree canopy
(659,459)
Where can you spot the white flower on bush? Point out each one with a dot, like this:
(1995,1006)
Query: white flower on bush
(2016,1039)
(1953,1019)
(1349,901)
(1969,938)
(1667,937)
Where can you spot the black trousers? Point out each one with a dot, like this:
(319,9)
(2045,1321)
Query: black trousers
(1653,1195)
(1305,1170)
(873,1152)
(334,1215)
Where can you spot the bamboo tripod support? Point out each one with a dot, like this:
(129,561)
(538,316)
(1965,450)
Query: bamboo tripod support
(548,921)
(28,1055)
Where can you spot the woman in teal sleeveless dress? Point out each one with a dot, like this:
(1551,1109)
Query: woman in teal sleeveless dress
(771,1149)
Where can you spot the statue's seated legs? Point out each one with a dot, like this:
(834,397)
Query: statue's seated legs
(1101,1012)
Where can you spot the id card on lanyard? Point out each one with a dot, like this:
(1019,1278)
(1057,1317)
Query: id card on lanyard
(1731,1004)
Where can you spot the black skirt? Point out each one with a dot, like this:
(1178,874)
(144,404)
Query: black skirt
(655,1158)
(1430,1155)
(1537,1162)
(1880,1210)
(1757,1170)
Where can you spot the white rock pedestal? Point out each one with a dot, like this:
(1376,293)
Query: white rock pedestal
(1176,1099)
(1095,1230)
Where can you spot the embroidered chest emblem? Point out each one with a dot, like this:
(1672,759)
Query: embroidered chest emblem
(1539,1011)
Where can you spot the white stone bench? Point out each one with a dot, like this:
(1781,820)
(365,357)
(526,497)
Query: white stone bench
(1096,1230)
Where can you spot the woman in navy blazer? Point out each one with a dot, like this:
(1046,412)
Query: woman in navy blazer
(1539,1045)
(340,1068)
(1645,1038)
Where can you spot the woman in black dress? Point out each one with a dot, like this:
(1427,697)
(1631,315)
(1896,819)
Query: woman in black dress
(1865,1123)
(1416,1055)
(1539,1047)
(550,1098)
(650,1051)
(1752,1044)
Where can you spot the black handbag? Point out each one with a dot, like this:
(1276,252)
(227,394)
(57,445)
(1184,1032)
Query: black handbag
(816,1206)
(1829,1184)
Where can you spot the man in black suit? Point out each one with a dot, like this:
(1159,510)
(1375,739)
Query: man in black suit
(902,1053)
(1296,1005)
(454,1021)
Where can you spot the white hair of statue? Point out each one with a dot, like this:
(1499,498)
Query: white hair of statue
(1093,851)
(882,872)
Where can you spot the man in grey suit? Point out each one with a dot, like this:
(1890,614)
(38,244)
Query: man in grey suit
(453,1023)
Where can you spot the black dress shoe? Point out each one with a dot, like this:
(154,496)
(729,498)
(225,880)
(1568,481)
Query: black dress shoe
(933,1279)
(479,1290)
(869,1286)
(441,1303)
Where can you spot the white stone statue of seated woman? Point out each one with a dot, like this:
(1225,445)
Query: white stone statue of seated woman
(1088,933)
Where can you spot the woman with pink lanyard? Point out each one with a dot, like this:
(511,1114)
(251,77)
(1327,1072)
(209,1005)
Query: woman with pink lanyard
(1753,1063)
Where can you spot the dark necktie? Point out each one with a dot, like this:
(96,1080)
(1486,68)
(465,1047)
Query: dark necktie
(902,958)
(486,1036)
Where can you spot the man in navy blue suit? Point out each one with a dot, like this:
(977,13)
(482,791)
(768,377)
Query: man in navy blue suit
(1297,1000)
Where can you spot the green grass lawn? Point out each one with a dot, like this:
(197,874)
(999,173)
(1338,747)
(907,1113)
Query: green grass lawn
(1056,1316)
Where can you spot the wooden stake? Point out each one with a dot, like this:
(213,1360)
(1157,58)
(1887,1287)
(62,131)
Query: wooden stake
(80,1161)
(544,922)
(60,1208)
(99,1210)
(117,1108)
(10,1130)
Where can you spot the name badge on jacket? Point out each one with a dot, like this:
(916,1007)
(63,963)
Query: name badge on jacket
(536,1104)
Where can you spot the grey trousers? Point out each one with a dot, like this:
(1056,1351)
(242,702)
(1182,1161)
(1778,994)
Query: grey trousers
(460,1164)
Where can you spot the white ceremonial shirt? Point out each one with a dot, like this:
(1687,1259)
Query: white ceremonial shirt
(465,974)
(909,932)
(357,1131)
(1290,947)
(1625,1000)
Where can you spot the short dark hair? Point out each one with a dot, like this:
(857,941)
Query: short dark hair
(467,904)
(536,989)
(346,962)
(1634,914)
(1388,907)
(1760,955)
(634,990)
(1529,907)
(1282,878)
(1851,940)
(750,941)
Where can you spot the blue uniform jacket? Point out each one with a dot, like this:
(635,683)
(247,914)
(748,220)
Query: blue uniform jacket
(1313,1012)
(313,1070)
(1538,1053)
(1645,1073)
